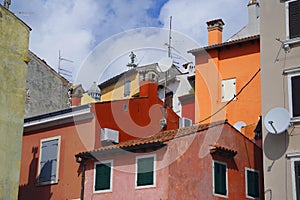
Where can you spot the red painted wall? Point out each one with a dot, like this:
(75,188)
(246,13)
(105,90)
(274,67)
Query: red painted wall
(123,179)
(68,186)
(191,175)
(140,119)
(188,106)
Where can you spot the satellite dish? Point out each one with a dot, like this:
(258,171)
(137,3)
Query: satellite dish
(239,125)
(277,120)
(164,64)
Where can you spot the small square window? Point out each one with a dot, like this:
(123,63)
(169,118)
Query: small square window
(252,183)
(220,178)
(145,171)
(49,161)
(228,89)
(103,176)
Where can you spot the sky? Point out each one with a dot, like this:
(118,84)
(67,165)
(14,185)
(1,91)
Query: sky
(98,35)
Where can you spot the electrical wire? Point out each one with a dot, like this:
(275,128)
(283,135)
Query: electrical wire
(230,99)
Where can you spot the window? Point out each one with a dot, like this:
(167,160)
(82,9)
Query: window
(103,176)
(252,183)
(49,160)
(145,171)
(228,89)
(295,172)
(294,94)
(127,88)
(220,178)
(293,18)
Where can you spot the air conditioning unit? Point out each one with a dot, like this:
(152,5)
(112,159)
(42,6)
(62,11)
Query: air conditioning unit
(109,136)
(184,122)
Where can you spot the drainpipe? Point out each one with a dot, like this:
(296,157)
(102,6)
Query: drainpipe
(83,165)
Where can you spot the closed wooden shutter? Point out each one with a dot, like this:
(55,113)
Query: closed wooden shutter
(145,167)
(296,95)
(103,173)
(294,19)
(48,164)
(252,184)
(220,178)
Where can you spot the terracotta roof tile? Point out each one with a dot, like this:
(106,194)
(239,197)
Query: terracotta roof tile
(160,137)
(195,51)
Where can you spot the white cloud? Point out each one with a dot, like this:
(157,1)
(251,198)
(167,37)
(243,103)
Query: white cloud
(76,27)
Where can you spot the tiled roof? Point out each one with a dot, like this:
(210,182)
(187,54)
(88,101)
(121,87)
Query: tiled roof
(223,151)
(195,51)
(160,137)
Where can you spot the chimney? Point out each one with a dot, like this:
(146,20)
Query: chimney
(76,93)
(148,79)
(215,28)
(253,14)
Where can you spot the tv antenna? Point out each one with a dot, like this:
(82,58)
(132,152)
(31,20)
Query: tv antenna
(62,71)
(164,64)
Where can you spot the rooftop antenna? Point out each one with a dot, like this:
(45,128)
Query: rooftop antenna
(7,4)
(63,71)
(164,65)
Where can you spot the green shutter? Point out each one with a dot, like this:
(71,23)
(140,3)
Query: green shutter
(220,178)
(103,173)
(145,171)
(252,184)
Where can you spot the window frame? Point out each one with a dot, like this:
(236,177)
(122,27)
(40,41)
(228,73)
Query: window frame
(294,187)
(154,171)
(246,182)
(290,98)
(287,19)
(127,83)
(111,176)
(213,178)
(57,163)
(223,90)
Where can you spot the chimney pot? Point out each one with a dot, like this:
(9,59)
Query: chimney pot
(215,28)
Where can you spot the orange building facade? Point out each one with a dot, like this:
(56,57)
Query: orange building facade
(49,169)
(228,80)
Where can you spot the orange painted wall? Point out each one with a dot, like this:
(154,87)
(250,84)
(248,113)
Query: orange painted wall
(68,186)
(240,61)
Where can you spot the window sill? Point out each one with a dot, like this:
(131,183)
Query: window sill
(290,43)
(102,191)
(38,184)
(295,120)
(144,187)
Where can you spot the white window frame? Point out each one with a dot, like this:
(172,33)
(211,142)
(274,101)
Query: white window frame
(111,176)
(213,178)
(57,163)
(246,181)
(154,171)
(224,91)
(295,156)
(289,40)
(289,76)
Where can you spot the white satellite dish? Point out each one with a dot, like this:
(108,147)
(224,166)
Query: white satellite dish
(277,120)
(239,125)
(164,64)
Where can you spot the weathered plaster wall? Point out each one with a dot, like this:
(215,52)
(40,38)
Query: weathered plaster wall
(14,37)
(191,175)
(47,90)
(123,180)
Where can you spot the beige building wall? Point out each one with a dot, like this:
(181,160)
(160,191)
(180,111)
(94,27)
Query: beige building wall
(279,150)
(14,38)
(116,91)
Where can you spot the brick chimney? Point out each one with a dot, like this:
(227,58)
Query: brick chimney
(215,28)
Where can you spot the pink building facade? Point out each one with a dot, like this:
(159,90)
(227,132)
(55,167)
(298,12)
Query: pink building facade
(209,161)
